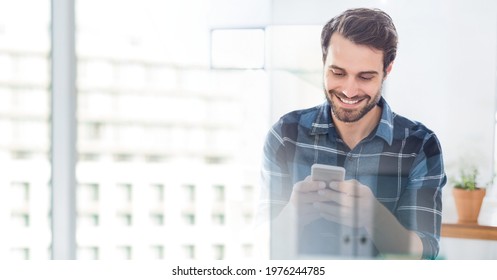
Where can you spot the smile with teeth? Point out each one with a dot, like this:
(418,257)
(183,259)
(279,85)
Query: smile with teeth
(350,102)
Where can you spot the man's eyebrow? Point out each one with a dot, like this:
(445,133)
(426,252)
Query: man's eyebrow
(337,68)
(369,72)
(372,72)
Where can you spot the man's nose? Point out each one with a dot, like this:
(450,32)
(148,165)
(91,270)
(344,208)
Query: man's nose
(350,88)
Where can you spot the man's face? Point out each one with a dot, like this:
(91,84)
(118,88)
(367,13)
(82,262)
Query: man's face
(353,76)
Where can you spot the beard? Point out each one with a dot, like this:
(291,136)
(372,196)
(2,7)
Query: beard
(351,115)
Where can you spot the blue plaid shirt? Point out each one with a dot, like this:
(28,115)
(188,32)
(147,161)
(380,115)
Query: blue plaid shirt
(401,161)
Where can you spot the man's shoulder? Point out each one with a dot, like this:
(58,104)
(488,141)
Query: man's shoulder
(300,122)
(404,127)
(302,117)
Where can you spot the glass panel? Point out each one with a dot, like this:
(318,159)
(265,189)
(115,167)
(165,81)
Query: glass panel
(158,128)
(25,127)
(296,68)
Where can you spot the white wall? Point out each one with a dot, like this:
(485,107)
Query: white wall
(445,75)
(447,67)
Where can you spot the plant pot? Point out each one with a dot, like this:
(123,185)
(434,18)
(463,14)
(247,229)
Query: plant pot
(468,204)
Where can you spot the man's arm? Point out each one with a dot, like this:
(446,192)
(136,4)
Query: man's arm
(285,208)
(354,205)
(413,229)
(274,175)
(420,206)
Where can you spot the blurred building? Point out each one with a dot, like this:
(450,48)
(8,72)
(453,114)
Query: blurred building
(168,148)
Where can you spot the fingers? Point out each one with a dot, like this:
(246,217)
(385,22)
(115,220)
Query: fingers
(343,215)
(332,218)
(333,209)
(347,202)
(335,213)
(349,187)
(309,186)
(306,191)
(340,198)
(345,193)
(307,213)
(340,220)
(310,197)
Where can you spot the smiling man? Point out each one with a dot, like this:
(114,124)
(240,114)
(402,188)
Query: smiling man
(391,194)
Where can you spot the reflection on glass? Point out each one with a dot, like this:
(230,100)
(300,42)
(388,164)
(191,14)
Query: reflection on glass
(165,138)
(163,100)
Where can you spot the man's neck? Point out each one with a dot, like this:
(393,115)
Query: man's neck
(353,132)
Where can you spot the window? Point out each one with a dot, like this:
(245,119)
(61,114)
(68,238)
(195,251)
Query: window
(121,157)
(248,193)
(88,193)
(218,251)
(189,252)
(88,220)
(124,193)
(20,219)
(157,252)
(157,192)
(20,253)
(247,217)
(189,218)
(88,157)
(19,195)
(189,193)
(88,253)
(124,252)
(93,131)
(218,219)
(247,250)
(125,219)
(157,219)
(237,48)
(219,193)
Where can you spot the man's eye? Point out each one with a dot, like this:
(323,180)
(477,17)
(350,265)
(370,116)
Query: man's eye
(366,78)
(337,74)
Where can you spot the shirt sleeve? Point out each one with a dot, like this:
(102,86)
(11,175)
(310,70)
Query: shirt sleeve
(420,206)
(275,176)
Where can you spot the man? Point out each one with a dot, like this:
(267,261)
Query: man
(394,166)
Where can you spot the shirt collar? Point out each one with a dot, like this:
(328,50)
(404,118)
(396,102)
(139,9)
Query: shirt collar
(323,123)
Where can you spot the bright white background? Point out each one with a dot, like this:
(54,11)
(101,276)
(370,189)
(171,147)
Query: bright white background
(444,74)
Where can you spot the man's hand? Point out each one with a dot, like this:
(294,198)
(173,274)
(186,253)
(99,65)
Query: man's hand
(354,204)
(304,195)
(350,203)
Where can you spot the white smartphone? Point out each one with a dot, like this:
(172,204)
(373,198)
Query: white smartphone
(354,243)
(327,173)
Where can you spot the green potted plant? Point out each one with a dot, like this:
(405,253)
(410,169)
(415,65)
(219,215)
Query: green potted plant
(468,196)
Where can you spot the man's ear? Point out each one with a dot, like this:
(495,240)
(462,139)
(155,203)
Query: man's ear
(387,71)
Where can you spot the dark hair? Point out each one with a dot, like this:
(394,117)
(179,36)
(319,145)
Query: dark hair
(369,27)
